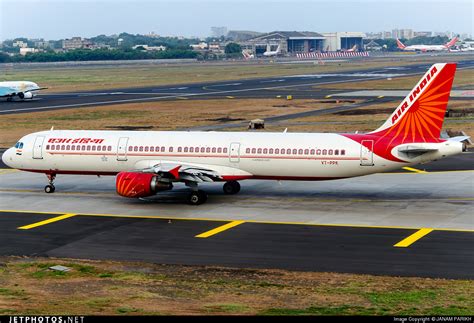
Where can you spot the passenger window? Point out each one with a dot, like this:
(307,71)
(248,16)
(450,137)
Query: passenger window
(109,148)
(219,150)
(325,152)
(152,149)
(312,152)
(171,149)
(208,150)
(300,151)
(135,148)
(295,151)
(47,146)
(318,152)
(180,149)
(93,148)
(130,148)
(259,150)
(265,151)
(214,150)
(247,151)
(306,151)
(99,148)
(73,147)
(191,149)
(277,151)
(254,150)
(203,149)
(157,149)
(225,150)
(162,149)
(196,149)
(63,147)
(270,151)
(141,148)
(68,147)
(330,152)
(336,152)
(343,152)
(185,149)
(88,148)
(288,151)
(146,149)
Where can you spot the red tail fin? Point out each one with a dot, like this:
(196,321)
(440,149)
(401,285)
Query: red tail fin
(420,116)
(451,42)
(400,44)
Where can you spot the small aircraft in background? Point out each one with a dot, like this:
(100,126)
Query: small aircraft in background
(271,53)
(427,48)
(353,49)
(22,89)
(247,55)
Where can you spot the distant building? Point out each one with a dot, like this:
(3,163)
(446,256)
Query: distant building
(422,33)
(150,48)
(76,43)
(242,35)
(343,40)
(26,50)
(218,31)
(20,44)
(42,44)
(152,35)
(402,33)
(200,46)
(289,42)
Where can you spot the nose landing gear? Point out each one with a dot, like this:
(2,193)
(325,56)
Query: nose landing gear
(50,187)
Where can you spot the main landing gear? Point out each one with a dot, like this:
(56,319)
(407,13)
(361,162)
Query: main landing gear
(197,197)
(50,187)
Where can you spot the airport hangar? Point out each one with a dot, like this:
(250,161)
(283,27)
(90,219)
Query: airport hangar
(293,42)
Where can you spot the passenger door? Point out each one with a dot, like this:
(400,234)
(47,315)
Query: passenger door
(122,149)
(366,153)
(234,152)
(38,148)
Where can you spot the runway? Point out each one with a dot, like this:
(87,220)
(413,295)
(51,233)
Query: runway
(299,86)
(410,224)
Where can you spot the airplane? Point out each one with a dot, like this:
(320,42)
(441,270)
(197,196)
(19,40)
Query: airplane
(21,89)
(427,48)
(353,49)
(247,55)
(270,53)
(148,162)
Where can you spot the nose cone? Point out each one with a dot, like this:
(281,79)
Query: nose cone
(7,157)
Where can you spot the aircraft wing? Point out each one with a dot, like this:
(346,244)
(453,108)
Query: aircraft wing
(186,172)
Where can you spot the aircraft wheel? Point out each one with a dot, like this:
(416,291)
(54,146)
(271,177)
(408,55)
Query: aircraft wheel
(49,188)
(197,198)
(232,187)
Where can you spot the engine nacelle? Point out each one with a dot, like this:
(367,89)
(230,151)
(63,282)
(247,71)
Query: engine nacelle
(135,184)
(25,95)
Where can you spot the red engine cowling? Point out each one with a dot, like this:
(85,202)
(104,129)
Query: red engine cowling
(135,184)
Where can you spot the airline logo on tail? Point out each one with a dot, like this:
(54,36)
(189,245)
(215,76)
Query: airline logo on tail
(420,116)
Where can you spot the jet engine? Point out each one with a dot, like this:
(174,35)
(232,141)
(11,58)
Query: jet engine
(25,95)
(135,184)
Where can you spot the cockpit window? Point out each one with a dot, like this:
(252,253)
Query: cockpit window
(19,145)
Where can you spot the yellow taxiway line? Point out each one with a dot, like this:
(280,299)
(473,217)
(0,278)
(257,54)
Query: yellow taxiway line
(48,221)
(415,170)
(217,230)
(165,217)
(408,241)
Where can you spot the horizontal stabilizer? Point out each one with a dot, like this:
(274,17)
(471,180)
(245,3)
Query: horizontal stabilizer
(459,138)
(418,148)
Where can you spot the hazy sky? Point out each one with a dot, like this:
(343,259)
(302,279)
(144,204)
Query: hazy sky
(55,19)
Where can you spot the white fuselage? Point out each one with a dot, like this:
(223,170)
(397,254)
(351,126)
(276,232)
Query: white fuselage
(238,155)
(20,86)
(426,48)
